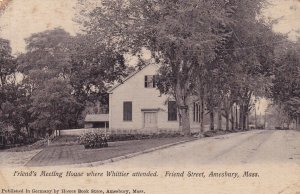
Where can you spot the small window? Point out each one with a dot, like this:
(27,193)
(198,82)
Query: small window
(172,111)
(150,81)
(127,111)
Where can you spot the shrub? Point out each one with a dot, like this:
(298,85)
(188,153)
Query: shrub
(93,140)
(128,137)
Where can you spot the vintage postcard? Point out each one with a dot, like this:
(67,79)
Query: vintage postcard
(150,96)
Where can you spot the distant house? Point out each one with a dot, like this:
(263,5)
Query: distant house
(137,104)
(96,121)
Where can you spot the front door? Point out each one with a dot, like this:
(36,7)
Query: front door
(150,120)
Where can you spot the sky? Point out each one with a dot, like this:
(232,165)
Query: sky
(21,18)
(24,17)
(288,11)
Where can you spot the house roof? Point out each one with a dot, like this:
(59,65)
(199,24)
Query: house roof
(96,118)
(126,78)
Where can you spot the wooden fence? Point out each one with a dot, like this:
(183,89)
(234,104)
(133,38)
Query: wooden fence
(78,132)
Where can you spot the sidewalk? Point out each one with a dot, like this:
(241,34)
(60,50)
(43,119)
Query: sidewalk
(16,159)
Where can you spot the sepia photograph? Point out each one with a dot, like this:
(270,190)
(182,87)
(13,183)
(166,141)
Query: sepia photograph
(150,96)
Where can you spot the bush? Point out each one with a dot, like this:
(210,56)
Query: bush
(93,140)
(128,137)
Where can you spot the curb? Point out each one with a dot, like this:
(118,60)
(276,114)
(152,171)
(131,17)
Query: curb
(131,155)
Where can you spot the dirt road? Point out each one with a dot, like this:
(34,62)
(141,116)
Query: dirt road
(252,147)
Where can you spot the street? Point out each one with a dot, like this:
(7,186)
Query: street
(252,147)
(258,161)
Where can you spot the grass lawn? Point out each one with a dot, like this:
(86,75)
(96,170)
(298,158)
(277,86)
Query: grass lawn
(77,154)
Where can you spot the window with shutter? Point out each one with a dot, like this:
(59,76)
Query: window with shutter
(172,111)
(150,81)
(127,111)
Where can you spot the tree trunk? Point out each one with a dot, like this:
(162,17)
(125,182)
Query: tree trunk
(232,118)
(202,116)
(236,118)
(244,117)
(185,121)
(265,120)
(227,120)
(181,100)
(247,122)
(27,130)
(245,108)
(255,118)
(212,123)
(241,119)
(219,118)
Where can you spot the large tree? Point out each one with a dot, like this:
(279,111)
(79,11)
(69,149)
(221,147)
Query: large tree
(179,34)
(63,74)
(48,59)
(286,80)
(7,81)
(54,107)
(94,68)
(242,66)
(47,56)
(254,62)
